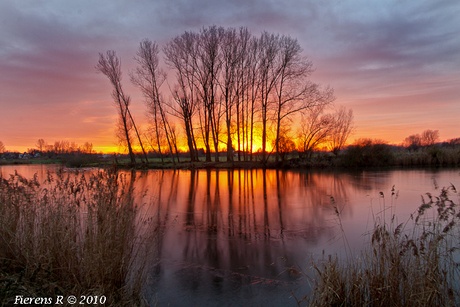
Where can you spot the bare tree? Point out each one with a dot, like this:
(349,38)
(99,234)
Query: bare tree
(342,130)
(316,129)
(294,92)
(87,148)
(41,145)
(197,61)
(240,79)
(57,147)
(179,54)
(2,147)
(268,74)
(65,146)
(253,84)
(413,141)
(227,85)
(149,78)
(210,64)
(430,137)
(110,66)
(74,147)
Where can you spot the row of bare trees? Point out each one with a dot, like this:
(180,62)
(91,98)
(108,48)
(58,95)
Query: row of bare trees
(61,147)
(230,88)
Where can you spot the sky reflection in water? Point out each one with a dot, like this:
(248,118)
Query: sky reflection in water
(232,237)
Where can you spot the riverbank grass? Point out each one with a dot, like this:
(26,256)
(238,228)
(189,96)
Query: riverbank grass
(73,235)
(409,264)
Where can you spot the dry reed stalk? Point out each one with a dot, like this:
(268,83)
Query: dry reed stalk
(74,235)
(401,266)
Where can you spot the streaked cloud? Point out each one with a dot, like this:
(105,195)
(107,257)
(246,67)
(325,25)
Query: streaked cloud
(382,57)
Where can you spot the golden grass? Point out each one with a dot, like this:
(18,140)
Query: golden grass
(410,264)
(73,235)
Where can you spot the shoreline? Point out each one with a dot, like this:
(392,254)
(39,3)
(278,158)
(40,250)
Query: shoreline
(291,164)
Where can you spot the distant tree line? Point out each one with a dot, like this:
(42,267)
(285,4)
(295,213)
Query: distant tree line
(58,147)
(231,89)
(69,152)
(63,147)
(423,149)
(427,138)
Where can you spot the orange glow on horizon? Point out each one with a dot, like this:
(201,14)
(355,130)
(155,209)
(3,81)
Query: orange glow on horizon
(111,149)
(104,142)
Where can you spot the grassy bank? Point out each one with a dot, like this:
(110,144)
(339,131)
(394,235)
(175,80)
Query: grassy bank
(364,154)
(73,235)
(355,156)
(410,264)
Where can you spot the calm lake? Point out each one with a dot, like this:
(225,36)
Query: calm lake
(239,237)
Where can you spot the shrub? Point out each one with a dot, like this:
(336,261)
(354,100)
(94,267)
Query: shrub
(78,160)
(368,153)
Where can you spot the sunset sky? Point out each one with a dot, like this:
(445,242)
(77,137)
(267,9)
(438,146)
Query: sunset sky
(395,63)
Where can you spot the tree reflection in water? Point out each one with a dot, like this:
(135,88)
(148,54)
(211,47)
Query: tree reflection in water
(228,236)
(230,228)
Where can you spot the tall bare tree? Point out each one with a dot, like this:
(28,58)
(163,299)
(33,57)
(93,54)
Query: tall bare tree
(243,90)
(294,92)
(229,41)
(209,45)
(110,65)
(268,75)
(180,55)
(253,84)
(149,78)
(343,129)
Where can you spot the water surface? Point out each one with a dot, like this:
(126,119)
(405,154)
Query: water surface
(240,237)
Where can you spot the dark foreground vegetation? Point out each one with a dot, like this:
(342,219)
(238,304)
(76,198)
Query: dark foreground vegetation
(415,263)
(73,234)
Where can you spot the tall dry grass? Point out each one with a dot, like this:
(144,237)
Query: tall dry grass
(73,234)
(409,264)
(428,156)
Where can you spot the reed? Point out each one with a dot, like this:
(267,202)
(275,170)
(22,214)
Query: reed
(408,264)
(73,234)
(429,156)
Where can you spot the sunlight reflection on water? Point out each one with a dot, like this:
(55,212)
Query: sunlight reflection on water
(238,237)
